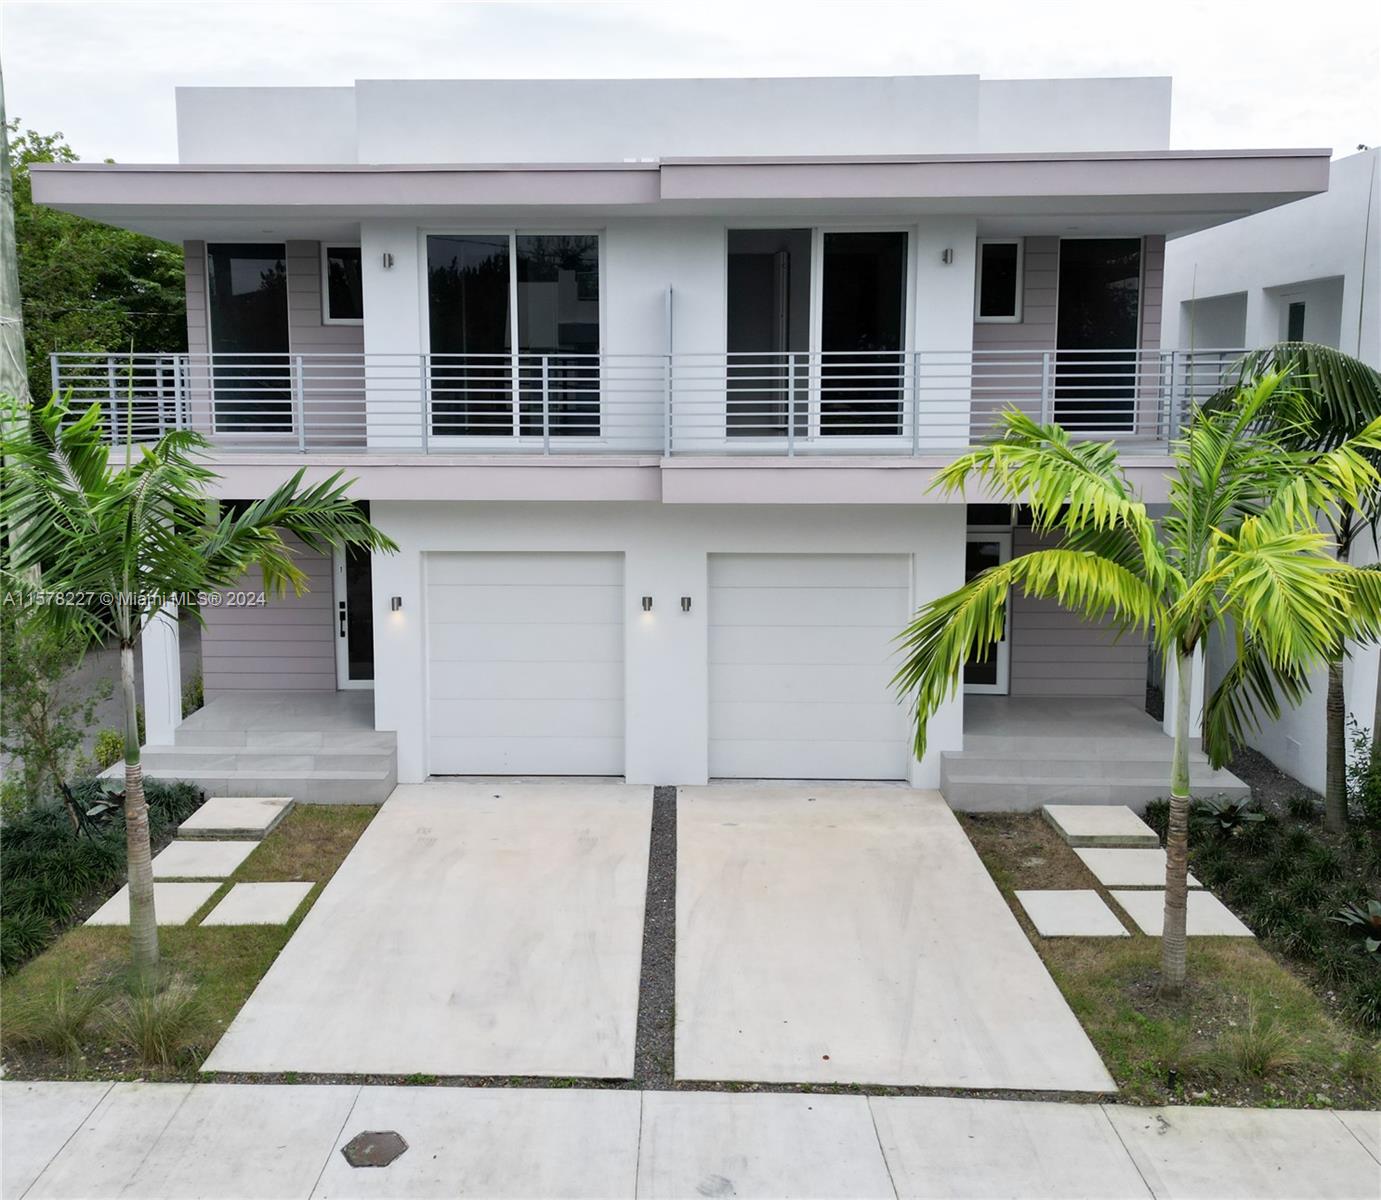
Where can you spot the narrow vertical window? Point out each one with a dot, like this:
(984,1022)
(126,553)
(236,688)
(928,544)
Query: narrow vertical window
(998,293)
(247,290)
(1294,322)
(344,284)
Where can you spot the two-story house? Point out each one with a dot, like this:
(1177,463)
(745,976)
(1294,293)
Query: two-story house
(649,381)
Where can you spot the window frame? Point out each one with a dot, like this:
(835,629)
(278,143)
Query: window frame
(326,317)
(1016,317)
(290,430)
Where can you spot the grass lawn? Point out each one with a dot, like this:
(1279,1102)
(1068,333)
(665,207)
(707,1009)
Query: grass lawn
(59,1008)
(1247,1032)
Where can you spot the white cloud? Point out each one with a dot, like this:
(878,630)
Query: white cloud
(1265,73)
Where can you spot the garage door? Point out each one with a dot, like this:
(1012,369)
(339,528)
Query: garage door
(525,673)
(801,656)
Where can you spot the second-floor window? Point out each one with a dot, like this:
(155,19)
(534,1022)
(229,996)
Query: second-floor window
(997,295)
(247,297)
(342,285)
(513,322)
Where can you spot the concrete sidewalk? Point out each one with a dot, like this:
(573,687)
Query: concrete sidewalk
(247,1141)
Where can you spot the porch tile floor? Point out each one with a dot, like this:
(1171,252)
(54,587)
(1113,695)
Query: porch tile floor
(174,904)
(1207,916)
(199,859)
(836,934)
(1127,868)
(474,929)
(259,904)
(1071,914)
(1100,825)
(236,817)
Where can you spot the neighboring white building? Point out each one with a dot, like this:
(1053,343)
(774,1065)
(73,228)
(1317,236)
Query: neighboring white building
(1308,271)
(649,381)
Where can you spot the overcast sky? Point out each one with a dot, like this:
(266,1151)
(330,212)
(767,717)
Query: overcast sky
(1265,73)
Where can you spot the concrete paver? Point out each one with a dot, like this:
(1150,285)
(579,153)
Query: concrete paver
(1205,914)
(493,1142)
(851,935)
(1100,825)
(1077,913)
(1251,1154)
(712,1144)
(474,929)
(259,904)
(236,817)
(173,904)
(1127,868)
(200,859)
(36,1119)
(960,1148)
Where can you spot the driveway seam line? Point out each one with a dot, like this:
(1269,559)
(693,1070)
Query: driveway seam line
(1131,1158)
(886,1166)
(326,1162)
(53,1157)
(638,1155)
(1353,1134)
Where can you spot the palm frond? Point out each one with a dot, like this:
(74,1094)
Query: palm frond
(1251,686)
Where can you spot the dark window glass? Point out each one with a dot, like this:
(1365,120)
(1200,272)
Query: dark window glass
(247,285)
(979,556)
(1294,322)
(768,331)
(997,279)
(558,332)
(468,314)
(862,333)
(1097,323)
(344,284)
(988,514)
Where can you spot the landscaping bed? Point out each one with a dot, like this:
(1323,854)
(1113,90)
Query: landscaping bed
(71,1014)
(1248,1031)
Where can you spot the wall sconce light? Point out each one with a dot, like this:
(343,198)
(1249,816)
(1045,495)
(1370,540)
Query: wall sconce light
(387,259)
(685,604)
(947,255)
(396,604)
(647,604)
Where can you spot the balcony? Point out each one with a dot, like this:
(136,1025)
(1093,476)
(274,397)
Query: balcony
(785,404)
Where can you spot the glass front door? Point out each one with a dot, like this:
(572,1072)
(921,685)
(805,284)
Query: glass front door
(354,632)
(988,672)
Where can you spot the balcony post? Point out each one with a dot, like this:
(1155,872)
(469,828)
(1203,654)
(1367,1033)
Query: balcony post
(546,404)
(114,399)
(666,406)
(791,410)
(53,371)
(424,374)
(1047,407)
(915,388)
(300,403)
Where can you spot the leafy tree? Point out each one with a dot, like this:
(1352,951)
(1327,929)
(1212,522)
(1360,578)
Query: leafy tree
(119,540)
(87,286)
(1344,397)
(1240,551)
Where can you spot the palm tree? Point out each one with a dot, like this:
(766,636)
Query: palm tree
(1239,551)
(124,540)
(1343,396)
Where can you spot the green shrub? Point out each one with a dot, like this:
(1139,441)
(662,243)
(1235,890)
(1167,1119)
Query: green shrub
(193,695)
(157,1023)
(1363,777)
(57,1020)
(1157,816)
(1303,807)
(23,933)
(1364,998)
(109,748)
(1259,1048)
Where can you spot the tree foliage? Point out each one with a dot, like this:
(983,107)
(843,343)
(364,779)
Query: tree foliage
(87,286)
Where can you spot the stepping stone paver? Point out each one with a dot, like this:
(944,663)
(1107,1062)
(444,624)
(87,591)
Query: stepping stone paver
(173,903)
(224,817)
(1207,916)
(258,904)
(1127,868)
(1071,914)
(200,859)
(1100,825)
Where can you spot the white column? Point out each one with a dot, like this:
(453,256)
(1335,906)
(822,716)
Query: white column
(162,669)
(1196,697)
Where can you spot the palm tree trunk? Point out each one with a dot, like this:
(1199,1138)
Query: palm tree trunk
(143,922)
(1335,745)
(1172,943)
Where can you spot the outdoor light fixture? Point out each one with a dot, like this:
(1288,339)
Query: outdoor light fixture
(685,604)
(947,255)
(647,604)
(387,260)
(396,604)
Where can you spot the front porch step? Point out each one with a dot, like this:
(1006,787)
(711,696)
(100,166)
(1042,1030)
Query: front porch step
(975,781)
(286,741)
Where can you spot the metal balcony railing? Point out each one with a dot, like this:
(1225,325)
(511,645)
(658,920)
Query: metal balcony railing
(777,403)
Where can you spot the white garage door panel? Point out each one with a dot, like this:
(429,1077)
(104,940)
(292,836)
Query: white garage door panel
(525,671)
(573,643)
(802,654)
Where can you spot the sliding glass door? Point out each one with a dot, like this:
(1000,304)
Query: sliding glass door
(247,295)
(1098,325)
(514,327)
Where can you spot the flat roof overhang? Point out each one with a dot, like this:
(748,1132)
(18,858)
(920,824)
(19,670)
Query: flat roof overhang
(1164,191)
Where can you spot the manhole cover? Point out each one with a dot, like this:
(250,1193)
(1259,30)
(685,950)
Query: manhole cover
(374,1148)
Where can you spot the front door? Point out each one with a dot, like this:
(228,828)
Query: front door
(354,597)
(988,673)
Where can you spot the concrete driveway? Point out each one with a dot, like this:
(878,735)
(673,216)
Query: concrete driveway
(475,929)
(851,935)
